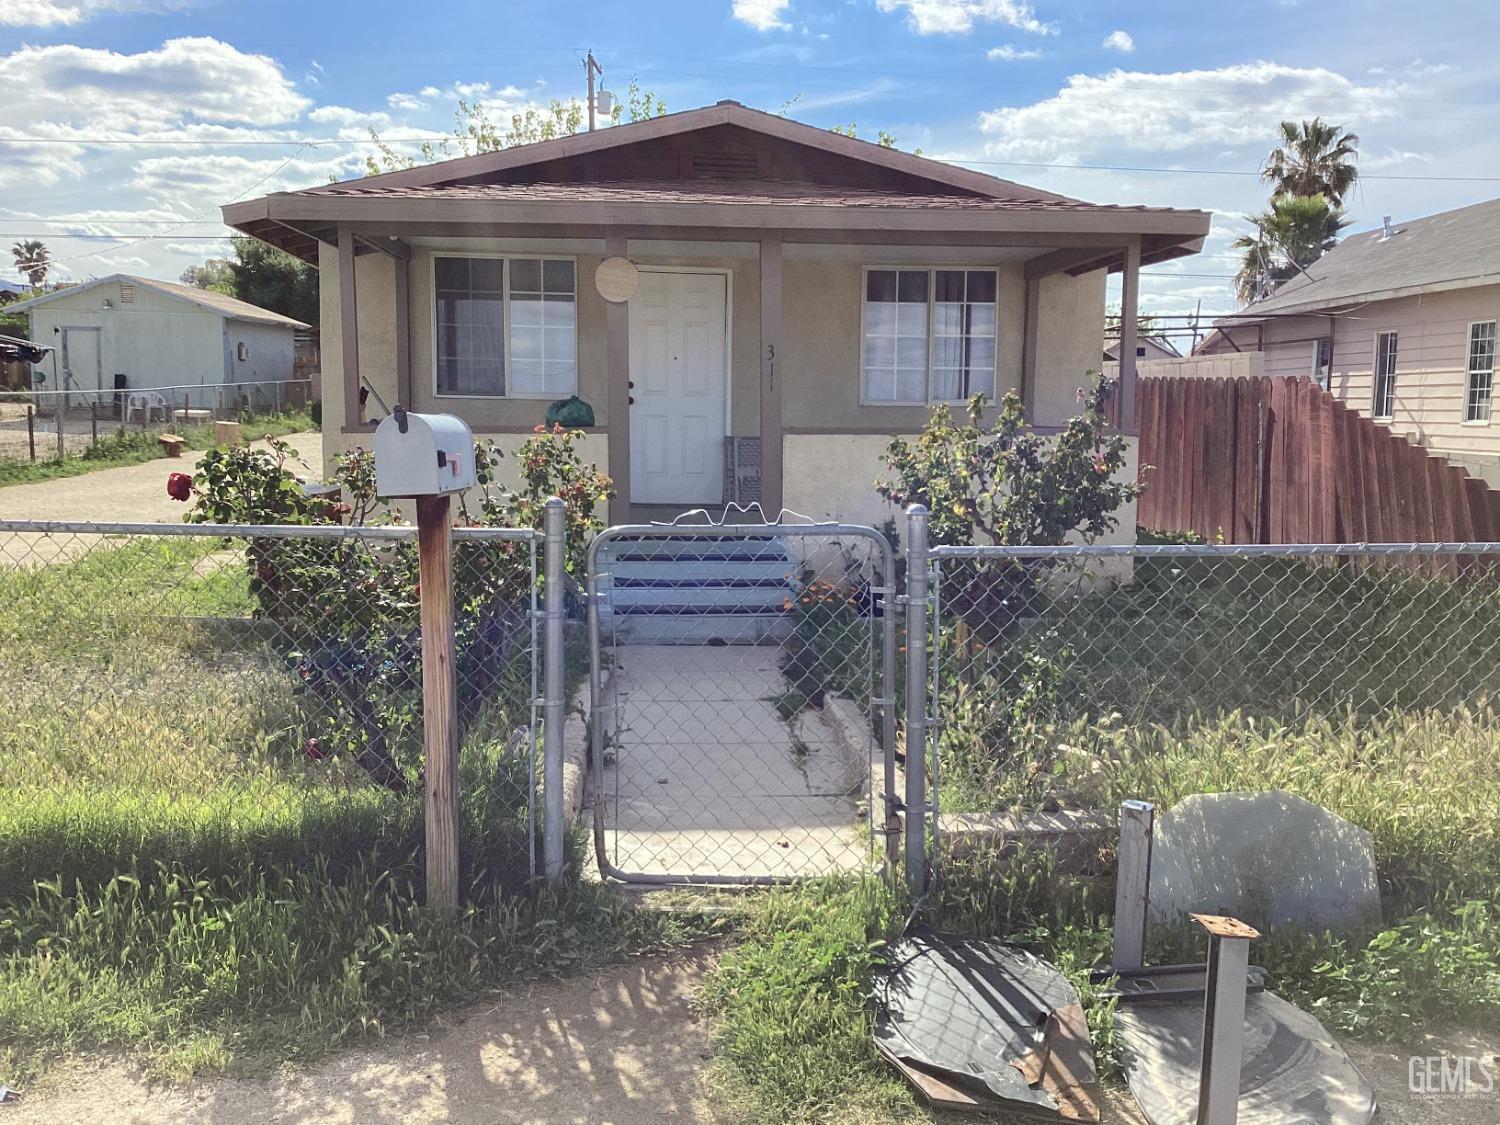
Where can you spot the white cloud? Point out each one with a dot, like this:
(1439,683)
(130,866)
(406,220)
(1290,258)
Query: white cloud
(66,13)
(343,115)
(763,15)
(1142,112)
(1119,41)
(190,185)
(1007,53)
(181,85)
(409,102)
(958,17)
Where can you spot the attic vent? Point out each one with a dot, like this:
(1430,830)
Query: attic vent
(723,165)
(127,294)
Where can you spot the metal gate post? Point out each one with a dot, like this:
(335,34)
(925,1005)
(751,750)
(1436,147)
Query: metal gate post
(553,535)
(916,698)
(890,799)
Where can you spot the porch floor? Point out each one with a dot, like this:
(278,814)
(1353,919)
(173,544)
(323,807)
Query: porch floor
(709,780)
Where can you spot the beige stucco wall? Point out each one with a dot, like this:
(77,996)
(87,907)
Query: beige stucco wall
(831,477)
(1069,344)
(821,300)
(821,325)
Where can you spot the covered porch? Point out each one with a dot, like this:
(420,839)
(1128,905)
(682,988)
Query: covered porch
(790,367)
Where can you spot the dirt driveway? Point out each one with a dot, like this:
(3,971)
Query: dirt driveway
(620,1046)
(623,1046)
(129,494)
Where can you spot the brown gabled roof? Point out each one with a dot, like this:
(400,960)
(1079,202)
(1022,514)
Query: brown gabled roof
(731,113)
(737,191)
(723,167)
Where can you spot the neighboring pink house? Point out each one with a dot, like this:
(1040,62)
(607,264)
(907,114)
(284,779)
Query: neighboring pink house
(1399,323)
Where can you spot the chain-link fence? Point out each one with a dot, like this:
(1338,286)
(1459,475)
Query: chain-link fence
(46,425)
(232,699)
(743,701)
(1063,680)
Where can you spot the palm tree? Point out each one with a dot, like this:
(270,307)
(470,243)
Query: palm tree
(1290,235)
(32,260)
(1314,158)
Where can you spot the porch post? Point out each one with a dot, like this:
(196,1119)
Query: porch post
(349,330)
(772,371)
(1030,316)
(1129,299)
(402,267)
(617,389)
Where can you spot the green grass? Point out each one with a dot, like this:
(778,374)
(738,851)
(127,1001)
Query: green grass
(246,973)
(116,448)
(178,878)
(1367,693)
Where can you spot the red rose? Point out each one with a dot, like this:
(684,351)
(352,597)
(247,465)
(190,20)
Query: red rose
(180,486)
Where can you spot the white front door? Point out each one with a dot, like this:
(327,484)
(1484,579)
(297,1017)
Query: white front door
(677,369)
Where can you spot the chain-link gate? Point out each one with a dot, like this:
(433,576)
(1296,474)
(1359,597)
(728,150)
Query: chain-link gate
(743,719)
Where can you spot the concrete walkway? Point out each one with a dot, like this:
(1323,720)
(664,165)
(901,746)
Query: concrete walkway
(129,494)
(708,779)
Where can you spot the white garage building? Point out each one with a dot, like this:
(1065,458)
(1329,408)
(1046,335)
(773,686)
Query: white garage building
(160,336)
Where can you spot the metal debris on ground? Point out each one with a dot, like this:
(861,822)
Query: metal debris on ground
(1272,858)
(1208,1042)
(1291,1068)
(977,1024)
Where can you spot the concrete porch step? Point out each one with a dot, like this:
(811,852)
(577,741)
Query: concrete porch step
(687,589)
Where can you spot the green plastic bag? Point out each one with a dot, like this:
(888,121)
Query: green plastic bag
(570,413)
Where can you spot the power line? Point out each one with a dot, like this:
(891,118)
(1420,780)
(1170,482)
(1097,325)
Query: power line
(170,233)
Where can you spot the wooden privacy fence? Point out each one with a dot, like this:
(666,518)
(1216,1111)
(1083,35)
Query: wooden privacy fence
(1278,460)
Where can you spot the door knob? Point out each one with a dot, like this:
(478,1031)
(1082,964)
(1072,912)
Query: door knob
(631,384)
(632,400)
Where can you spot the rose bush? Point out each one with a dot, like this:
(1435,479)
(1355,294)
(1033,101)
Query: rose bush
(345,613)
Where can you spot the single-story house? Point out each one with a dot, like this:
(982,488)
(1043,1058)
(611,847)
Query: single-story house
(1399,323)
(161,336)
(751,305)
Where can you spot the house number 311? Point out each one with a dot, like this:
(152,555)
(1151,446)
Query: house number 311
(771,366)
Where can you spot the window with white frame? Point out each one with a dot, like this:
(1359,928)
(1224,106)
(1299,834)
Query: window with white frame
(1481,382)
(1384,404)
(506,326)
(929,335)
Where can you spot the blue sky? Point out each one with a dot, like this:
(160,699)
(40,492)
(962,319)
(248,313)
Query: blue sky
(1175,102)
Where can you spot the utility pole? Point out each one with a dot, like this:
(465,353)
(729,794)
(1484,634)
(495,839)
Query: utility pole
(591,68)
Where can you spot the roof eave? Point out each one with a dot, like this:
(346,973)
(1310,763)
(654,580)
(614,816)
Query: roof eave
(1331,304)
(306,207)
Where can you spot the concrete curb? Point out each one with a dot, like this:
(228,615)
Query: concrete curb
(576,747)
(851,727)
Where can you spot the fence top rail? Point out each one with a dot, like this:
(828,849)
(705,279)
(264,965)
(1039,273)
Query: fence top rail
(112,391)
(1199,550)
(261,531)
(736,530)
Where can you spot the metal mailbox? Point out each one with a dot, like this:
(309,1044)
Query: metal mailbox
(422,455)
